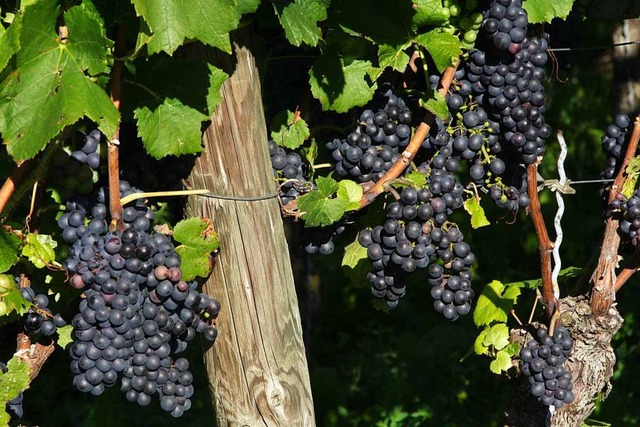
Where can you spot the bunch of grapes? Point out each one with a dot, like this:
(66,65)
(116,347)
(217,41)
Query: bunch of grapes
(629,226)
(614,144)
(369,152)
(89,154)
(290,173)
(321,239)
(39,320)
(506,24)
(408,240)
(138,313)
(542,360)
(14,406)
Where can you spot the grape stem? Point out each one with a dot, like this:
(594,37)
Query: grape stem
(17,175)
(604,275)
(115,207)
(629,270)
(136,196)
(412,149)
(545,246)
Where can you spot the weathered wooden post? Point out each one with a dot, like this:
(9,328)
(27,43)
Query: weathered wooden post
(257,369)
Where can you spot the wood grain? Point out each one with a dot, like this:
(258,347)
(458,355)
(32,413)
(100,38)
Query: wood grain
(257,368)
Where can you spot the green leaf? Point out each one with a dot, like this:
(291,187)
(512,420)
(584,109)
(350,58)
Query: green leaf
(632,171)
(39,249)
(340,87)
(444,48)
(311,152)
(64,336)
(12,382)
(15,302)
(287,131)
(351,193)
(171,129)
(9,41)
(501,363)
(393,56)
(497,336)
(354,253)
(545,10)
(299,19)
(512,349)
(417,178)
(495,303)
(171,22)
(355,262)
(436,104)
(478,345)
(318,207)
(52,86)
(198,241)
(429,12)
(478,218)
(9,245)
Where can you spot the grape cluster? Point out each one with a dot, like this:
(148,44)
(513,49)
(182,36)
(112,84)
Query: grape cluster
(614,144)
(506,24)
(409,240)
(629,226)
(14,406)
(138,313)
(290,173)
(89,154)
(39,320)
(321,239)
(69,177)
(542,360)
(369,152)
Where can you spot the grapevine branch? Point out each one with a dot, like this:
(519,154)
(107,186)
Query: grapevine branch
(604,275)
(629,270)
(545,245)
(17,175)
(115,207)
(410,152)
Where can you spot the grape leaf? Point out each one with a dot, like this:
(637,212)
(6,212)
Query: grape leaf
(478,218)
(495,302)
(512,349)
(436,104)
(350,192)
(299,19)
(340,87)
(12,382)
(39,249)
(287,131)
(318,207)
(355,262)
(15,302)
(417,178)
(9,244)
(198,241)
(311,152)
(429,12)
(170,22)
(64,336)
(172,128)
(501,363)
(545,10)
(478,345)
(52,86)
(497,336)
(632,172)
(444,48)
(9,41)
(392,56)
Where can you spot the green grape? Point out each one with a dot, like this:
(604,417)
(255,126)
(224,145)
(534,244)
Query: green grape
(477,18)
(466,23)
(3,308)
(470,36)
(455,10)
(6,283)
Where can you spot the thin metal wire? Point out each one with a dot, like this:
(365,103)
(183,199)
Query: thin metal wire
(571,49)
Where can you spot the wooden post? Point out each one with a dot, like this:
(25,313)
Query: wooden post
(257,368)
